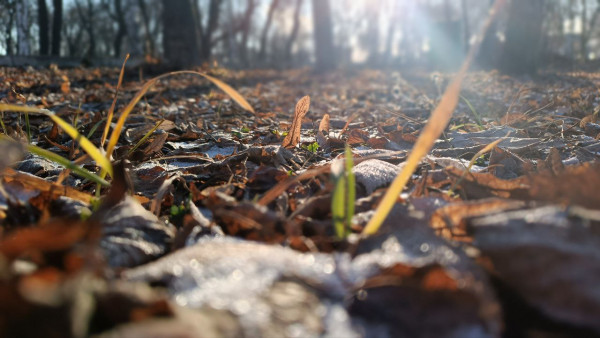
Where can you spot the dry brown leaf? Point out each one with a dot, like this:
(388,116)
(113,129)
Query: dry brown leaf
(51,237)
(482,185)
(41,184)
(555,162)
(65,87)
(449,220)
(575,185)
(156,145)
(324,125)
(588,119)
(293,136)
(323,133)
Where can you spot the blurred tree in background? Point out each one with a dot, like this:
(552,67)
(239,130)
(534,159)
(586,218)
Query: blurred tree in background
(424,34)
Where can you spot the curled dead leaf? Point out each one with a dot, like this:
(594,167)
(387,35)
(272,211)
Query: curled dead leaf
(324,125)
(293,136)
(323,133)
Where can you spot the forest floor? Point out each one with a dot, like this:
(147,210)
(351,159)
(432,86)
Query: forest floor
(210,227)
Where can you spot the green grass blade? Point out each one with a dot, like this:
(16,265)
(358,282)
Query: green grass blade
(60,160)
(2,123)
(111,110)
(143,139)
(114,136)
(28,127)
(474,112)
(337,206)
(351,188)
(86,144)
(66,163)
(95,127)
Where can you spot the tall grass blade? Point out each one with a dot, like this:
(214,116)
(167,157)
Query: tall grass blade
(237,97)
(114,137)
(111,110)
(338,200)
(344,194)
(431,132)
(351,190)
(28,127)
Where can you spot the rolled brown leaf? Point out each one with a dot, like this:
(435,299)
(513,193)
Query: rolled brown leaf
(293,136)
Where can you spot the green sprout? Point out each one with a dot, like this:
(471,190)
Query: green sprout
(344,194)
(311,147)
(474,112)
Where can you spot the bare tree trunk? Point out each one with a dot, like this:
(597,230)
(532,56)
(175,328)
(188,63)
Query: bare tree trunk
(87,22)
(571,14)
(246,26)
(389,38)
(228,36)
(149,48)
(584,31)
(372,37)
(8,29)
(265,32)
(56,26)
(179,41)
(590,29)
(294,33)
(523,35)
(448,10)
(44,33)
(488,56)
(22,12)
(121,30)
(466,25)
(323,31)
(214,11)
(10,8)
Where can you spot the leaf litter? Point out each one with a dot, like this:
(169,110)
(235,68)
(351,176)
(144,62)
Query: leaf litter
(221,220)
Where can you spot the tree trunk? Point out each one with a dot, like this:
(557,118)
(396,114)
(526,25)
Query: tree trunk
(324,50)
(489,51)
(294,33)
(149,48)
(389,38)
(571,14)
(466,25)
(214,11)
(524,31)
(584,31)
(22,12)
(265,32)
(591,27)
(246,26)
(8,29)
(121,30)
(179,37)
(86,18)
(56,26)
(372,35)
(44,33)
